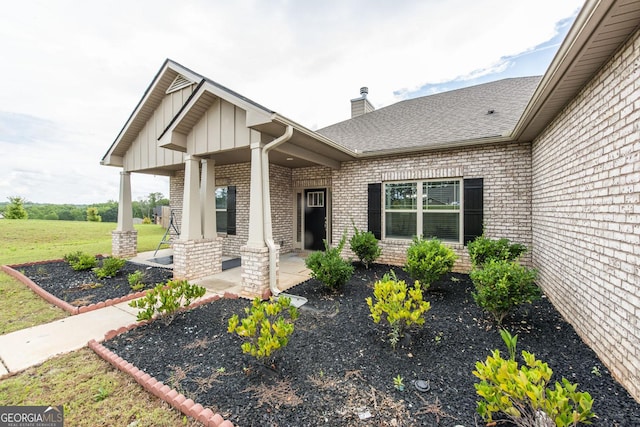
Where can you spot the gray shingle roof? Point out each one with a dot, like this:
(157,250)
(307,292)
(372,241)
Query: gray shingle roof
(434,120)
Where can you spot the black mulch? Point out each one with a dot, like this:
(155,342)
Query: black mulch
(338,366)
(80,288)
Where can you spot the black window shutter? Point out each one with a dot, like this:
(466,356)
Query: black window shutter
(231,209)
(374,210)
(473,208)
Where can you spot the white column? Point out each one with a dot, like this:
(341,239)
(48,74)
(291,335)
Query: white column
(125,212)
(256,212)
(191,214)
(209,199)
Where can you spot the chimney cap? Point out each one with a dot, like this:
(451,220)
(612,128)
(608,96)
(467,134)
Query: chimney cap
(364,91)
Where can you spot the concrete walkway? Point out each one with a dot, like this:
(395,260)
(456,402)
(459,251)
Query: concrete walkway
(22,349)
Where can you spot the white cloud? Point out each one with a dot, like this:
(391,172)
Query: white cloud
(83,66)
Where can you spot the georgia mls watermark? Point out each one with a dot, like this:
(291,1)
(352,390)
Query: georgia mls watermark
(31,416)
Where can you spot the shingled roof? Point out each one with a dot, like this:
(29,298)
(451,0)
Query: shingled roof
(485,111)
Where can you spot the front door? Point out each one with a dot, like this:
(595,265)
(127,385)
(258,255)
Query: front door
(315,219)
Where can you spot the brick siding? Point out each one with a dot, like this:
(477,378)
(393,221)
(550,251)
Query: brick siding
(505,168)
(124,244)
(586,214)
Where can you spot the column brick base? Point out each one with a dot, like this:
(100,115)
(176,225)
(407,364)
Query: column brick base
(124,244)
(255,271)
(195,259)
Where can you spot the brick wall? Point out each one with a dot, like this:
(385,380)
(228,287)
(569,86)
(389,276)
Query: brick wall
(281,207)
(586,214)
(194,259)
(239,175)
(176,196)
(505,168)
(124,244)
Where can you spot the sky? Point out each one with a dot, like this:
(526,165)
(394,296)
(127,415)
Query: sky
(73,71)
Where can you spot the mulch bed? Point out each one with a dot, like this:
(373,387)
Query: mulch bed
(82,288)
(338,368)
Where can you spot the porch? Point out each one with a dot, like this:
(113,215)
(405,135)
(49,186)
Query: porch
(292,271)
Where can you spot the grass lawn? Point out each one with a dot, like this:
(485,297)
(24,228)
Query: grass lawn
(40,240)
(92,392)
(21,308)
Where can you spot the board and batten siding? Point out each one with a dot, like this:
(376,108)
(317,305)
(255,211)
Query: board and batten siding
(221,127)
(144,152)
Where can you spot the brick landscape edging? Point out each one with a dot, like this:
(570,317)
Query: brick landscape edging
(71,309)
(177,400)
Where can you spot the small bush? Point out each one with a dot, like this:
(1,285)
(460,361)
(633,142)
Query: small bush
(365,245)
(522,394)
(428,260)
(483,249)
(136,280)
(146,220)
(79,261)
(501,285)
(398,304)
(328,267)
(267,327)
(165,300)
(110,267)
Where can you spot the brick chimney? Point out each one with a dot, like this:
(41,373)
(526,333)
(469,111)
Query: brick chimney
(360,106)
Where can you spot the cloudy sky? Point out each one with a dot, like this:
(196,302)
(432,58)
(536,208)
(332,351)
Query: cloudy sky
(72,71)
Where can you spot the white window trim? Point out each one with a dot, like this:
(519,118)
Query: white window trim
(419,211)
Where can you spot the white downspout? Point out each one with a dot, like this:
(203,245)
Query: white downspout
(266,205)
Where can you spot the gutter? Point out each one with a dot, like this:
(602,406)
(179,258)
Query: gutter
(266,207)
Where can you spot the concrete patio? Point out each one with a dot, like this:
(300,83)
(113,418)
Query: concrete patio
(292,270)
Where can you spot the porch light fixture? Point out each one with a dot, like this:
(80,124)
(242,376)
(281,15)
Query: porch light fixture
(289,159)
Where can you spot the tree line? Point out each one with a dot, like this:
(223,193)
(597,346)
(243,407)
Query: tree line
(19,208)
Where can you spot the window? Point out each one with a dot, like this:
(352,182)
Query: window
(427,208)
(221,209)
(315,199)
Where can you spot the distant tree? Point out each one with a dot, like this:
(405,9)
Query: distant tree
(15,209)
(108,211)
(92,214)
(51,216)
(144,207)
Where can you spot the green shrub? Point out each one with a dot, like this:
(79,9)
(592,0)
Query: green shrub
(110,267)
(328,267)
(267,327)
(365,245)
(79,261)
(136,280)
(428,260)
(501,285)
(401,306)
(146,220)
(522,394)
(483,249)
(165,300)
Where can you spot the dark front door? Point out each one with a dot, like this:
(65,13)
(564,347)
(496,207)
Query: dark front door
(315,219)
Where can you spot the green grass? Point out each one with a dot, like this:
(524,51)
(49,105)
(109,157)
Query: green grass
(30,240)
(92,392)
(21,308)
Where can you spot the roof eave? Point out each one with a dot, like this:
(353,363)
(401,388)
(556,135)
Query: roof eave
(445,145)
(547,98)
